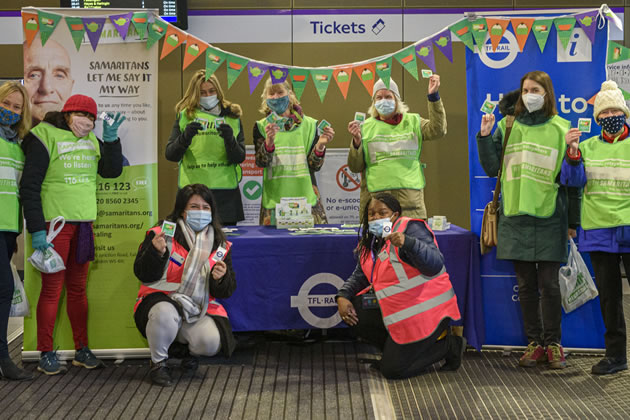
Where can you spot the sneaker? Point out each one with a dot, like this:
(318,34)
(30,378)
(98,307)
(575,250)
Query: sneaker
(160,374)
(455,353)
(609,365)
(49,363)
(534,354)
(555,355)
(9,370)
(84,357)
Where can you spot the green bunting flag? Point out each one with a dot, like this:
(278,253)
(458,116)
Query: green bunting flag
(407,59)
(157,30)
(299,78)
(235,66)
(47,24)
(75,24)
(617,52)
(462,30)
(564,27)
(140,21)
(480,31)
(384,70)
(214,59)
(541,30)
(321,78)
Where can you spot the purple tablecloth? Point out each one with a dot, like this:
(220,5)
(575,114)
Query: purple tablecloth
(289,282)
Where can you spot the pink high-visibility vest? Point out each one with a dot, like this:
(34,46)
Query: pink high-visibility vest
(412,304)
(172,276)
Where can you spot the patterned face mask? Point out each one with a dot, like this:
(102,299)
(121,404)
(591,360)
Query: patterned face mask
(8,117)
(614,124)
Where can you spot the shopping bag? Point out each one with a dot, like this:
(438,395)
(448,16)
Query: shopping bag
(49,261)
(576,284)
(19,304)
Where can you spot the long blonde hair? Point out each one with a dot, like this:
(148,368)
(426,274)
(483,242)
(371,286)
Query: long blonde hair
(270,89)
(190,101)
(24,125)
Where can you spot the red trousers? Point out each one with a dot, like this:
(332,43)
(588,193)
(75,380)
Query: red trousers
(74,277)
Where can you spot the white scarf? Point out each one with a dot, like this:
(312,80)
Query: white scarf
(193,293)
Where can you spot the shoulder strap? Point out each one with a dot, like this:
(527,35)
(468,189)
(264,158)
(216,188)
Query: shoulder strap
(509,121)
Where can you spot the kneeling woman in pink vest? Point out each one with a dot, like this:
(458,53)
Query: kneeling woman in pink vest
(399,296)
(181,276)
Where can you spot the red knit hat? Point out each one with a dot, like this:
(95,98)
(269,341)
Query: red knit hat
(80,103)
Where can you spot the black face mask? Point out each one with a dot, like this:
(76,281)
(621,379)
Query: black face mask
(614,124)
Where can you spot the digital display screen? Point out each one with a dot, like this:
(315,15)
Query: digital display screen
(173,11)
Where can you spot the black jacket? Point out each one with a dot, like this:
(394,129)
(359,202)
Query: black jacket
(231,208)
(36,165)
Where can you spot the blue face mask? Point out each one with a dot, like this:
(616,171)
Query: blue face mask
(614,124)
(198,219)
(208,102)
(376,226)
(278,105)
(385,106)
(8,117)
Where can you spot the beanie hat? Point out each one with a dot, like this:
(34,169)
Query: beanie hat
(80,103)
(610,97)
(381,85)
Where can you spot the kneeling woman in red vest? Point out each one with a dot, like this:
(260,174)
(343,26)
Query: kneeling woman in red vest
(181,276)
(399,296)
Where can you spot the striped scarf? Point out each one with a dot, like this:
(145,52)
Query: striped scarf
(193,292)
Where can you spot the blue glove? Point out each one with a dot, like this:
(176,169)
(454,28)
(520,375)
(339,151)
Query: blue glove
(110,132)
(39,240)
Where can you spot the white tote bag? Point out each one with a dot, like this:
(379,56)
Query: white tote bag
(19,304)
(49,261)
(576,284)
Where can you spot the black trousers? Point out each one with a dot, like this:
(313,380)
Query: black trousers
(7,247)
(400,360)
(541,303)
(608,280)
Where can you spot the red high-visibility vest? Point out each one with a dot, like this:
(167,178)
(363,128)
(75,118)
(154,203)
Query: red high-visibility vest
(412,304)
(172,276)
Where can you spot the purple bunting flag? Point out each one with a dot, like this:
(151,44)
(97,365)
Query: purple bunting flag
(255,72)
(121,23)
(93,28)
(425,52)
(588,23)
(278,74)
(444,44)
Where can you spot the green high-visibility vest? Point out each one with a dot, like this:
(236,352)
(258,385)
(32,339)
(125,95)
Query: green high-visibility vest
(392,154)
(69,188)
(606,200)
(289,175)
(11,166)
(533,157)
(205,161)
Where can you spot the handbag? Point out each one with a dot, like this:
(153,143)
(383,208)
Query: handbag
(490,221)
(19,304)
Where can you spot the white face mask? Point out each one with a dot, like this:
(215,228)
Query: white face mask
(533,101)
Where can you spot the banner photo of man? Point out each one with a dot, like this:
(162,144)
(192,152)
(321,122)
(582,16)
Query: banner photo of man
(121,77)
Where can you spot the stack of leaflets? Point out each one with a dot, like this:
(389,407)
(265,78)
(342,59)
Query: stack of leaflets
(293,212)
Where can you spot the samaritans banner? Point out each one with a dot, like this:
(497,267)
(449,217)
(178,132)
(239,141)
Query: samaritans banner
(121,76)
(577,70)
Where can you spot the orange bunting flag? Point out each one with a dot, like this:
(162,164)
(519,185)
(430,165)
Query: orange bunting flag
(31,26)
(497,28)
(521,27)
(194,48)
(173,39)
(343,75)
(367,74)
